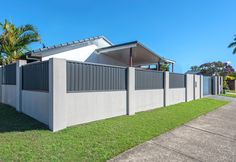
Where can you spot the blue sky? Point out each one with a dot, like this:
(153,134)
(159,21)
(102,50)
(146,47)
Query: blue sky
(191,32)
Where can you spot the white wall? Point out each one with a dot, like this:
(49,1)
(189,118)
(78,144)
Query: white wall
(148,99)
(176,95)
(9,94)
(91,106)
(197,87)
(36,105)
(190,87)
(78,54)
(85,54)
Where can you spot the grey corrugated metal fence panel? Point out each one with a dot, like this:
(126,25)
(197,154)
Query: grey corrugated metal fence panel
(177,80)
(207,85)
(35,76)
(95,77)
(9,74)
(148,79)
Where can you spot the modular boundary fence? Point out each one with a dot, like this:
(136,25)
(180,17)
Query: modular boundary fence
(50,91)
(84,77)
(148,79)
(9,74)
(177,80)
(35,76)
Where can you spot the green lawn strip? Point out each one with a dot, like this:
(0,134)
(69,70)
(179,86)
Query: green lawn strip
(24,139)
(228,95)
(231,91)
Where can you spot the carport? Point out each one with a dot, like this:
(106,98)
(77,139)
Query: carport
(135,54)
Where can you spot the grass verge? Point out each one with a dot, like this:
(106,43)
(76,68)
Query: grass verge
(24,139)
(228,95)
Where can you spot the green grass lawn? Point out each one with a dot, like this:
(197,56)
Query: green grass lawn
(228,95)
(24,139)
(231,91)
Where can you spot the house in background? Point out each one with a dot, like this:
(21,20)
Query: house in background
(101,50)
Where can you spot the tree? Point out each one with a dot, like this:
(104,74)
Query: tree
(164,67)
(233,45)
(233,74)
(195,68)
(14,41)
(214,68)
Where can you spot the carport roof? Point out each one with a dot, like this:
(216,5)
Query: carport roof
(140,54)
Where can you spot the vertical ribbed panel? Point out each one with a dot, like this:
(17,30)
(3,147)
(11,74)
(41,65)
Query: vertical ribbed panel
(35,76)
(9,74)
(207,85)
(177,80)
(95,77)
(148,79)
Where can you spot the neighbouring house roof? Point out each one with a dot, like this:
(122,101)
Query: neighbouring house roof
(72,43)
(141,54)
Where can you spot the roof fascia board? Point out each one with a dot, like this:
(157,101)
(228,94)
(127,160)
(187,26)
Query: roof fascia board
(117,47)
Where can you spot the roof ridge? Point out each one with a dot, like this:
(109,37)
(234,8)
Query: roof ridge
(69,43)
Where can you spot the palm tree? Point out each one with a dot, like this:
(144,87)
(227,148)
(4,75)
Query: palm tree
(14,41)
(233,45)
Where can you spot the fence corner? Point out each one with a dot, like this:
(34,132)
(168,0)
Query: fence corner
(57,94)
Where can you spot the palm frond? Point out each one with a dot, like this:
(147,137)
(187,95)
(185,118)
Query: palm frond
(233,44)
(27,28)
(14,40)
(28,38)
(234,51)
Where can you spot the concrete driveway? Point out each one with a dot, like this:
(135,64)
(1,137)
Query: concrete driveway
(208,138)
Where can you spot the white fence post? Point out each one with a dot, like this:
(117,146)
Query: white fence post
(214,85)
(221,84)
(19,65)
(201,86)
(189,87)
(131,91)
(57,94)
(166,88)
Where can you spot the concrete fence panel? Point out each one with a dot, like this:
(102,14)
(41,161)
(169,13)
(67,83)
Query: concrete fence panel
(8,93)
(36,105)
(107,98)
(176,92)
(86,107)
(149,89)
(35,91)
(148,99)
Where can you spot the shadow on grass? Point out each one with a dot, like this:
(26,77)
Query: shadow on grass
(13,121)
